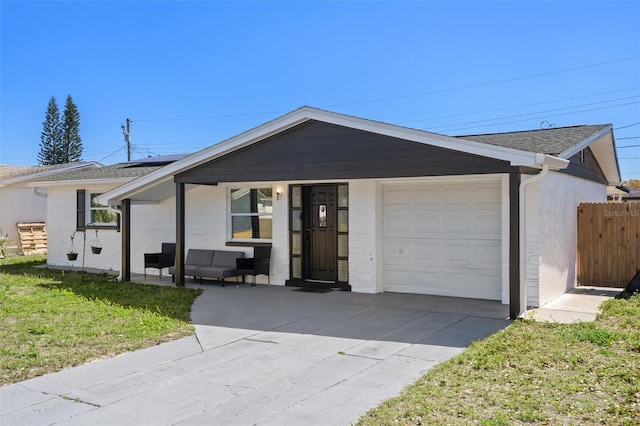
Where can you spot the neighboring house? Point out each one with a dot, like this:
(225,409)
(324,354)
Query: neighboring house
(375,207)
(633,197)
(73,210)
(621,193)
(20,203)
(615,194)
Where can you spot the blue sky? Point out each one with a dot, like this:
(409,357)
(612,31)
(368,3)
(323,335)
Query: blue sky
(190,74)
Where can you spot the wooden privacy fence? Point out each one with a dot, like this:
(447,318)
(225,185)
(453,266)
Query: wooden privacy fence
(608,243)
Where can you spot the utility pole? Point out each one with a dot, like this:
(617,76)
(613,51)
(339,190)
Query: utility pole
(126,131)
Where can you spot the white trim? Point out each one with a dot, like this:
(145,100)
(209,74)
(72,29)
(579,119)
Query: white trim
(603,147)
(230,215)
(104,181)
(443,178)
(571,151)
(38,175)
(513,156)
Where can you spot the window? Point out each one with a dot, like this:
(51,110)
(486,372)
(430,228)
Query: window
(100,213)
(90,213)
(251,213)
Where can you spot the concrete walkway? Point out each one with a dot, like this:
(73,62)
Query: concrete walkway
(578,304)
(270,356)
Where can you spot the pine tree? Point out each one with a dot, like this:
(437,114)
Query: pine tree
(51,136)
(71,146)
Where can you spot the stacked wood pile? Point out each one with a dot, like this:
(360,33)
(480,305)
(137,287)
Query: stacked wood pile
(33,237)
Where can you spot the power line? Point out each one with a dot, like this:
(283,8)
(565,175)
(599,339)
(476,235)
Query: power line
(538,118)
(113,153)
(630,125)
(492,83)
(537,112)
(517,106)
(627,146)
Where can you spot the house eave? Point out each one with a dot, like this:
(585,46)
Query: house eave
(80,182)
(513,156)
(602,144)
(40,175)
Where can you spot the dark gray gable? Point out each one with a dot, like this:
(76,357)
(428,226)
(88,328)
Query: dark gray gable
(585,166)
(316,150)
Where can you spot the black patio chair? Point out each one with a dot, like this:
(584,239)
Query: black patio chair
(164,259)
(256,265)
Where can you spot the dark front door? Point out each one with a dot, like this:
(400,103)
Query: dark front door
(320,233)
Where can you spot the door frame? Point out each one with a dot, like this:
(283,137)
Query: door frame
(299,243)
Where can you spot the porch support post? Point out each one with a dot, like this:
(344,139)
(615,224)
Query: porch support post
(514,244)
(125,240)
(180,213)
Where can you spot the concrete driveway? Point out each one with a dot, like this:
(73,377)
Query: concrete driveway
(269,356)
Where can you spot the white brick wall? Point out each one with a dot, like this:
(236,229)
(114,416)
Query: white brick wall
(365,254)
(61,224)
(550,245)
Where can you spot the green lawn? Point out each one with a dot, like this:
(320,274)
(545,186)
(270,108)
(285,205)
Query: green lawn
(54,319)
(533,373)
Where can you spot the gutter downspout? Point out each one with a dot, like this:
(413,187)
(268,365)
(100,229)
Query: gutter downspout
(39,194)
(118,212)
(523,234)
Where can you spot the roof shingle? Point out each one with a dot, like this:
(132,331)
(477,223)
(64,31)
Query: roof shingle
(550,141)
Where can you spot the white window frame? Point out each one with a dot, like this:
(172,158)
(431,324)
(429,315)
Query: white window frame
(90,209)
(264,214)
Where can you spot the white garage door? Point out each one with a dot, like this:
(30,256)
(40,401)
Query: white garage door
(443,239)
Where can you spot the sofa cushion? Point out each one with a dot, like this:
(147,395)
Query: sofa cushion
(219,272)
(199,257)
(226,259)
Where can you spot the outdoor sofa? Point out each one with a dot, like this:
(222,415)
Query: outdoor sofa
(218,264)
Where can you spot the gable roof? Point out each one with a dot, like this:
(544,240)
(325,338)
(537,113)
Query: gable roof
(552,141)
(502,148)
(10,175)
(563,142)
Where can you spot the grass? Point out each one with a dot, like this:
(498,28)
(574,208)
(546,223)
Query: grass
(53,319)
(533,373)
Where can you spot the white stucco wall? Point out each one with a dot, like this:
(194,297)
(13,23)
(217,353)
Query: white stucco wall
(551,243)
(560,197)
(19,204)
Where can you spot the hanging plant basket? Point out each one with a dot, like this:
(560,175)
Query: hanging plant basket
(72,255)
(96,246)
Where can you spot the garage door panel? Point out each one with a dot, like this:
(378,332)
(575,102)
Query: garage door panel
(487,254)
(399,197)
(459,284)
(487,224)
(399,224)
(487,196)
(399,252)
(457,224)
(425,224)
(456,196)
(456,254)
(444,240)
(425,197)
